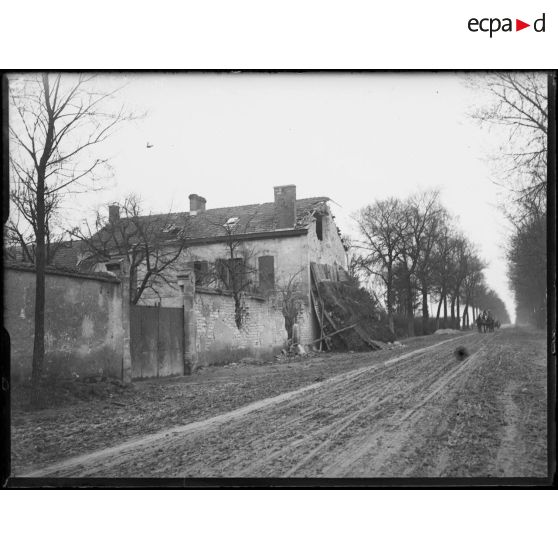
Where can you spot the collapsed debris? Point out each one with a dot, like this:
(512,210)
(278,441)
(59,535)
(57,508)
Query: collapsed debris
(349,318)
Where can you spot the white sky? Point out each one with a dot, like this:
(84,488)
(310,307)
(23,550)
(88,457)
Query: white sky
(353,137)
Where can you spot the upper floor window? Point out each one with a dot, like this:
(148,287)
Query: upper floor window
(201,273)
(233,274)
(266,269)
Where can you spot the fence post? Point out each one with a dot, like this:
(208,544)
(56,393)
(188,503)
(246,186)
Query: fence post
(187,283)
(122,271)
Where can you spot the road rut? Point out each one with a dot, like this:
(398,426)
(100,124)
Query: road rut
(348,425)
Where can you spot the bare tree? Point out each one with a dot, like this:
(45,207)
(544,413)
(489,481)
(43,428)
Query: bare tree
(442,267)
(381,225)
(234,271)
(55,121)
(20,232)
(290,294)
(150,244)
(472,279)
(417,237)
(519,105)
(462,252)
(434,230)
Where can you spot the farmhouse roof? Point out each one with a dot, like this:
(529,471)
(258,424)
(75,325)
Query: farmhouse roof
(66,254)
(243,220)
(251,219)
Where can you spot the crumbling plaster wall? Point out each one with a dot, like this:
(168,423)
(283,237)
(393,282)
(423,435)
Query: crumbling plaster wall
(290,255)
(83,324)
(330,249)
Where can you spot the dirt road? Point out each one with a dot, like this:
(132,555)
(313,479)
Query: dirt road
(423,413)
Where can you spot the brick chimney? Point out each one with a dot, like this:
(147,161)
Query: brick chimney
(197,204)
(285,206)
(114,213)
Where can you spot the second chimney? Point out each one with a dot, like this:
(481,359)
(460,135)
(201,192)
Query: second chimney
(285,206)
(197,204)
(114,213)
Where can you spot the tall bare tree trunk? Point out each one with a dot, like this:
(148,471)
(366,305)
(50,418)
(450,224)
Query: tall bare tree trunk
(40,265)
(409,309)
(48,166)
(38,362)
(425,313)
(466,316)
(389,301)
(438,312)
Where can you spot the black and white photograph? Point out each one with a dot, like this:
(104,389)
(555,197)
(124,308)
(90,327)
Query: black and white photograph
(278,277)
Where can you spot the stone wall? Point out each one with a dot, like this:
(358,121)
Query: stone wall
(219,340)
(83,323)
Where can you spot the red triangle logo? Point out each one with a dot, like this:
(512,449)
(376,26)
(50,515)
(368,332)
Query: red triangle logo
(519,25)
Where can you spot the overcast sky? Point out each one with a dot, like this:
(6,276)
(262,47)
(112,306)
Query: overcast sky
(353,137)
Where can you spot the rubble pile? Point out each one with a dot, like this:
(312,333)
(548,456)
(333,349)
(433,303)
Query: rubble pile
(353,318)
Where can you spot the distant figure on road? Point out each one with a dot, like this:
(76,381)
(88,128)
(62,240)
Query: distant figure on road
(489,322)
(479,323)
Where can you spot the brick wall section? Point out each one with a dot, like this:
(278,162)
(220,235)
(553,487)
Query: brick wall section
(83,323)
(218,338)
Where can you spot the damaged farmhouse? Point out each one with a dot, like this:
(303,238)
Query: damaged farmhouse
(240,282)
(239,269)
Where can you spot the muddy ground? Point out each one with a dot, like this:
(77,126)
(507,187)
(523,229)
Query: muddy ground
(417,411)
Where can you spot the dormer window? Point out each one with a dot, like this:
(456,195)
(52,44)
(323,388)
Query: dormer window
(231,223)
(173,229)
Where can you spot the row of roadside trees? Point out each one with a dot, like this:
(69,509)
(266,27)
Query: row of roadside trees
(411,249)
(414,254)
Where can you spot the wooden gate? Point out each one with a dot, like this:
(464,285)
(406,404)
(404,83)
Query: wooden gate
(156,341)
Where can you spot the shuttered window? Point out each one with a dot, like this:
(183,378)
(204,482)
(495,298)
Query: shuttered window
(266,267)
(201,272)
(232,273)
